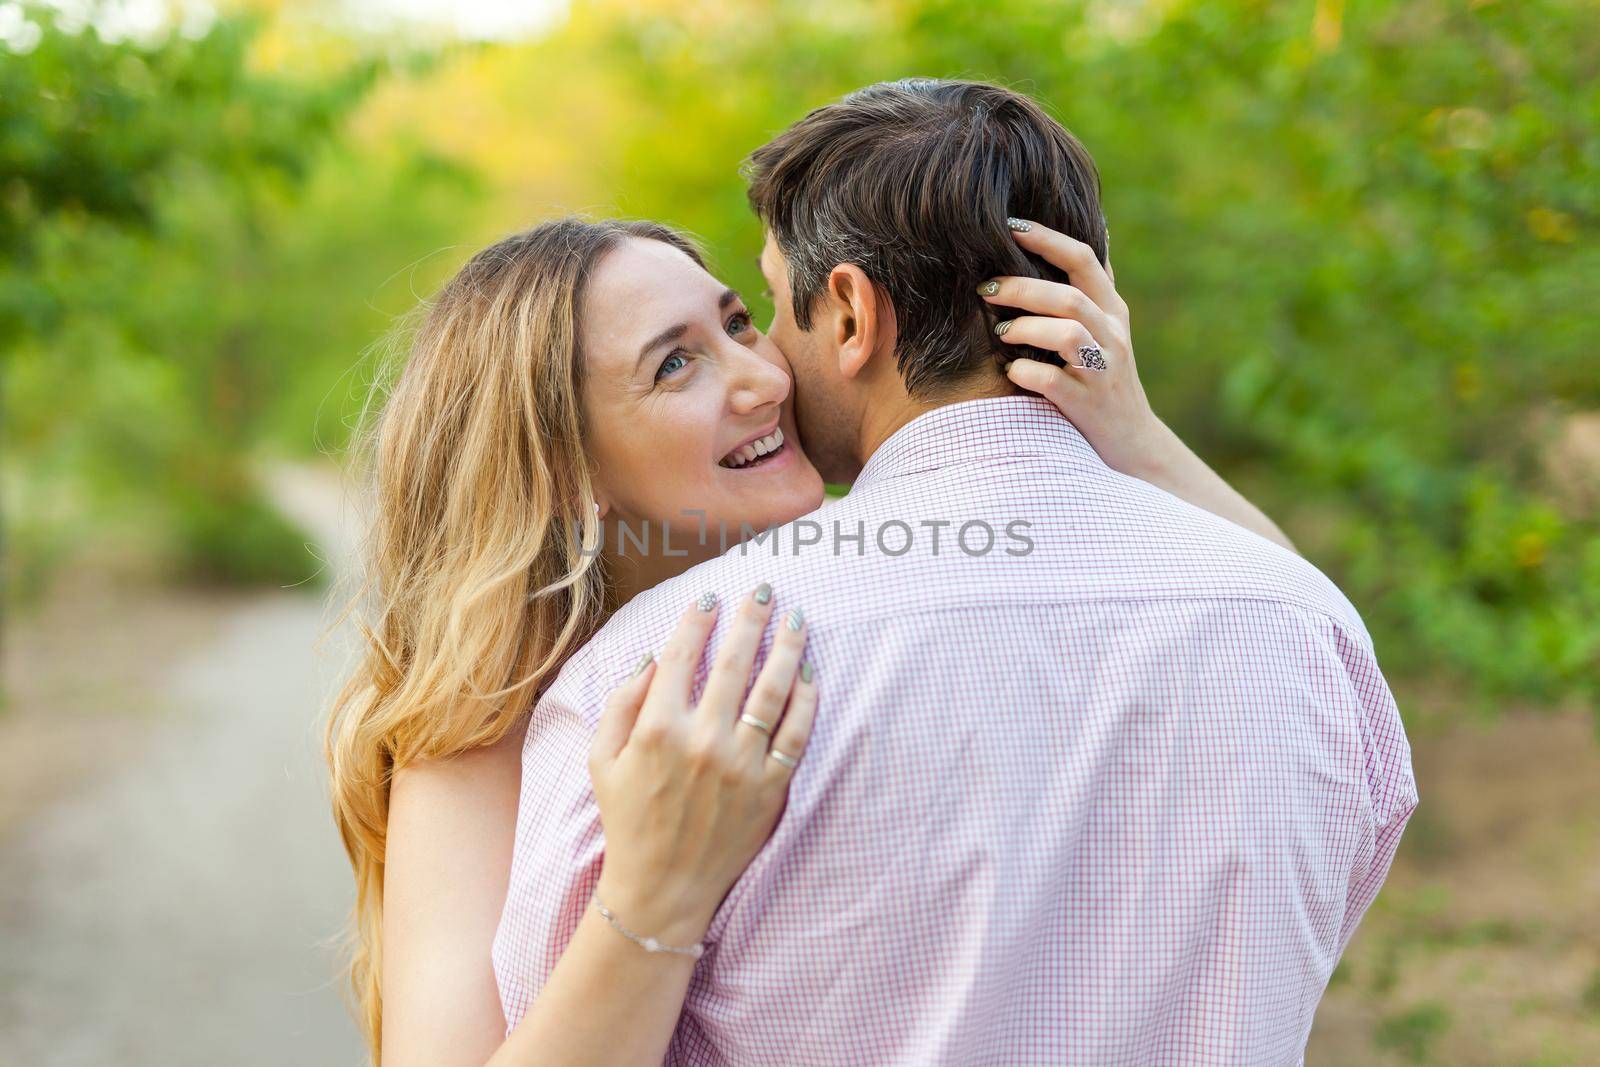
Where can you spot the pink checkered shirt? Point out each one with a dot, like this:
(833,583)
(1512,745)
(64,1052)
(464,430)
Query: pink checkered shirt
(1118,799)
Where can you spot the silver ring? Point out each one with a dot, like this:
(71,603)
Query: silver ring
(1093,358)
(751,720)
(785,759)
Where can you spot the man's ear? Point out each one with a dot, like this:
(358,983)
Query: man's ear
(861,320)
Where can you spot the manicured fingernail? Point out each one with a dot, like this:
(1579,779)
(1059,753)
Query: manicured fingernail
(805,671)
(794,619)
(988,288)
(1019,225)
(1000,328)
(763,593)
(707,601)
(648,657)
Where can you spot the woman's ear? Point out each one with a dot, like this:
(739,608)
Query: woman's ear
(859,323)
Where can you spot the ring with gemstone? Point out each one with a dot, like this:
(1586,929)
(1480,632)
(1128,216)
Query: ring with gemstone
(1093,358)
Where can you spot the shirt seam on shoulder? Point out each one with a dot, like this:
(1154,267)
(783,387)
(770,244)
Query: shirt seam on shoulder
(1055,458)
(1281,601)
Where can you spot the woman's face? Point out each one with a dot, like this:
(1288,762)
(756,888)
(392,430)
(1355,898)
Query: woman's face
(687,403)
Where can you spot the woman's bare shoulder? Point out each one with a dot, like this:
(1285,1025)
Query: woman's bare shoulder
(451,827)
(451,821)
(470,776)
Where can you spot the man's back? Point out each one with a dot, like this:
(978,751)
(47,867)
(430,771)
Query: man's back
(1097,777)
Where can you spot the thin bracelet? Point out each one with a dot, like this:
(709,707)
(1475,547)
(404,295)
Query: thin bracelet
(649,944)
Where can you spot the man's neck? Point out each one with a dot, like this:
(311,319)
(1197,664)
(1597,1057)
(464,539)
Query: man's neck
(883,418)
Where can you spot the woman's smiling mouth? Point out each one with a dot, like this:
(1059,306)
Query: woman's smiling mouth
(756,453)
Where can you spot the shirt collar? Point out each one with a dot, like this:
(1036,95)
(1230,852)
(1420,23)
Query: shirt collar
(978,431)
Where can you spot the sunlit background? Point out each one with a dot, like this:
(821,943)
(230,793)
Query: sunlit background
(1357,237)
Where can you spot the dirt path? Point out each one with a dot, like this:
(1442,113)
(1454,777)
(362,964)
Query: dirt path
(171,898)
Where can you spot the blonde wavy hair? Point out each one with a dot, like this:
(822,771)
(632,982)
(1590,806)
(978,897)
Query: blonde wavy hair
(473,590)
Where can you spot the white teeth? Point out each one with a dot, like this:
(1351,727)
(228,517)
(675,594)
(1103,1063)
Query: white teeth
(764,447)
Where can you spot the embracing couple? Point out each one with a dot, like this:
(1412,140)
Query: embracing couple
(1040,746)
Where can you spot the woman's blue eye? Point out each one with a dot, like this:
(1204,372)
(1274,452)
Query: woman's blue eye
(738,324)
(668,366)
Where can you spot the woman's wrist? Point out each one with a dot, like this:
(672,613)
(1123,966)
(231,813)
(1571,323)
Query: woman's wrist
(648,942)
(655,915)
(1151,453)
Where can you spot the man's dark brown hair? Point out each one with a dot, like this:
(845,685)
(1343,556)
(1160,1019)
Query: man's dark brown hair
(912,181)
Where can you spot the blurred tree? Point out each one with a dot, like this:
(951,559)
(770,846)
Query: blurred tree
(96,133)
(164,291)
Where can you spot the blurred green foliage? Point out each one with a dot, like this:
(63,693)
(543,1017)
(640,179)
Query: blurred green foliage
(1413,1032)
(1358,238)
(187,251)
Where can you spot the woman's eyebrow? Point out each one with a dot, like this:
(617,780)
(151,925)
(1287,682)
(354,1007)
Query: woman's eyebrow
(672,333)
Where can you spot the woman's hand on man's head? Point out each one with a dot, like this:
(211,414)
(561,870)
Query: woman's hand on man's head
(1087,323)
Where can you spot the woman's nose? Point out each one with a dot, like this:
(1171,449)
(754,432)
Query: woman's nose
(756,382)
